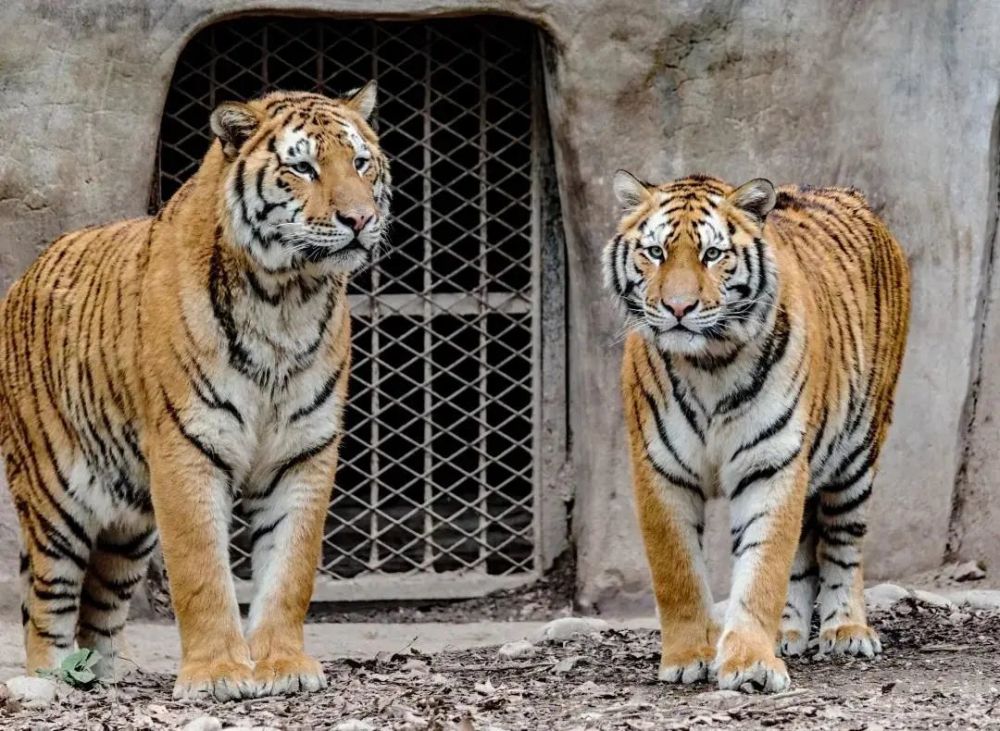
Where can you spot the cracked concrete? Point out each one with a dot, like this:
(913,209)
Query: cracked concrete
(895,98)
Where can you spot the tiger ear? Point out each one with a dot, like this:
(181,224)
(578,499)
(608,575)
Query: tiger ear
(363,100)
(629,190)
(756,198)
(233,123)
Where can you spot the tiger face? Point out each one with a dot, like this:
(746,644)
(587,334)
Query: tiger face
(689,261)
(306,184)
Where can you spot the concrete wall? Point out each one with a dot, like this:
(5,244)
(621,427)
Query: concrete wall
(894,97)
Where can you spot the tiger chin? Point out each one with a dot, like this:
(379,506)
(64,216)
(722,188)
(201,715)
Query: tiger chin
(154,370)
(767,330)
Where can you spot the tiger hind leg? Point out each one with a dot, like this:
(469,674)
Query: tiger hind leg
(844,627)
(117,565)
(54,564)
(796,617)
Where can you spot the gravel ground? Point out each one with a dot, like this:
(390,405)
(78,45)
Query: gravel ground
(941,669)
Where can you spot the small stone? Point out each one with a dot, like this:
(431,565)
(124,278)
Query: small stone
(32,692)
(352,724)
(567,664)
(967,571)
(484,688)
(203,723)
(884,596)
(515,650)
(977,599)
(415,665)
(565,628)
(721,699)
(932,599)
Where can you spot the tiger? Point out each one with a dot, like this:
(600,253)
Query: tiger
(153,371)
(765,334)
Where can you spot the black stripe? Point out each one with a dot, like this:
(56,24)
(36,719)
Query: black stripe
(109,632)
(824,556)
(263,530)
(680,394)
(320,398)
(738,533)
(774,350)
(776,426)
(221,298)
(133,549)
(206,450)
(260,291)
(58,640)
(200,381)
(846,507)
(303,456)
(809,573)
(763,473)
(662,433)
(91,601)
(50,596)
(64,609)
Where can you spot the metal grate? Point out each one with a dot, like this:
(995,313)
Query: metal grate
(438,475)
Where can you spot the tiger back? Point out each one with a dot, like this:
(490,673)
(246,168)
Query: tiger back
(153,370)
(767,331)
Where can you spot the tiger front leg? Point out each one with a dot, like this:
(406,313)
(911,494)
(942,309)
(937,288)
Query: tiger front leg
(287,516)
(671,516)
(766,505)
(192,500)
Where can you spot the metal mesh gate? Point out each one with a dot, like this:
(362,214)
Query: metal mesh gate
(437,491)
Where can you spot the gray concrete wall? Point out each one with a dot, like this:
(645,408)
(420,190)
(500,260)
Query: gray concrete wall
(894,97)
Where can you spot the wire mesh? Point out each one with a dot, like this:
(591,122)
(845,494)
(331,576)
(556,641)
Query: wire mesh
(436,472)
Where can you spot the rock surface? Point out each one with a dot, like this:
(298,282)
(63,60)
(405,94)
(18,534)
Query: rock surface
(516,650)
(32,692)
(566,628)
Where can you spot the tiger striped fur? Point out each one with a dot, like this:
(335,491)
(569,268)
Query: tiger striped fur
(766,333)
(153,370)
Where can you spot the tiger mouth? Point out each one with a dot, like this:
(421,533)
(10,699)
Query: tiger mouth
(316,253)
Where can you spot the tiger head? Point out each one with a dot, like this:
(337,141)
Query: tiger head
(304,180)
(690,263)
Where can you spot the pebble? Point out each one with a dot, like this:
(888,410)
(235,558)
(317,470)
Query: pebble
(203,723)
(721,699)
(883,596)
(967,571)
(32,692)
(565,628)
(516,650)
(934,600)
(352,724)
(567,664)
(977,599)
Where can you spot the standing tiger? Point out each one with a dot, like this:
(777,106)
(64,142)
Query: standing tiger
(766,335)
(153,370)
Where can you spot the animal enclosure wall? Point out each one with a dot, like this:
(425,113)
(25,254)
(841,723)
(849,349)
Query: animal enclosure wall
(437,491)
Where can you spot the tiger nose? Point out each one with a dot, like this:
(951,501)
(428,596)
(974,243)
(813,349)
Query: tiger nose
(681,306)
(355,220)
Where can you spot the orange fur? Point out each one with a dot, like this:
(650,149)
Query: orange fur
(767,335)
(163,366)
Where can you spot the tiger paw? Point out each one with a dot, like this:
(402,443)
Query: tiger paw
(792,643)
(222,680)
(858,640)
(686,666)
(750,659)
(288,673)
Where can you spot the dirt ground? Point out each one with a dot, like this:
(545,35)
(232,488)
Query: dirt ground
(941,669)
